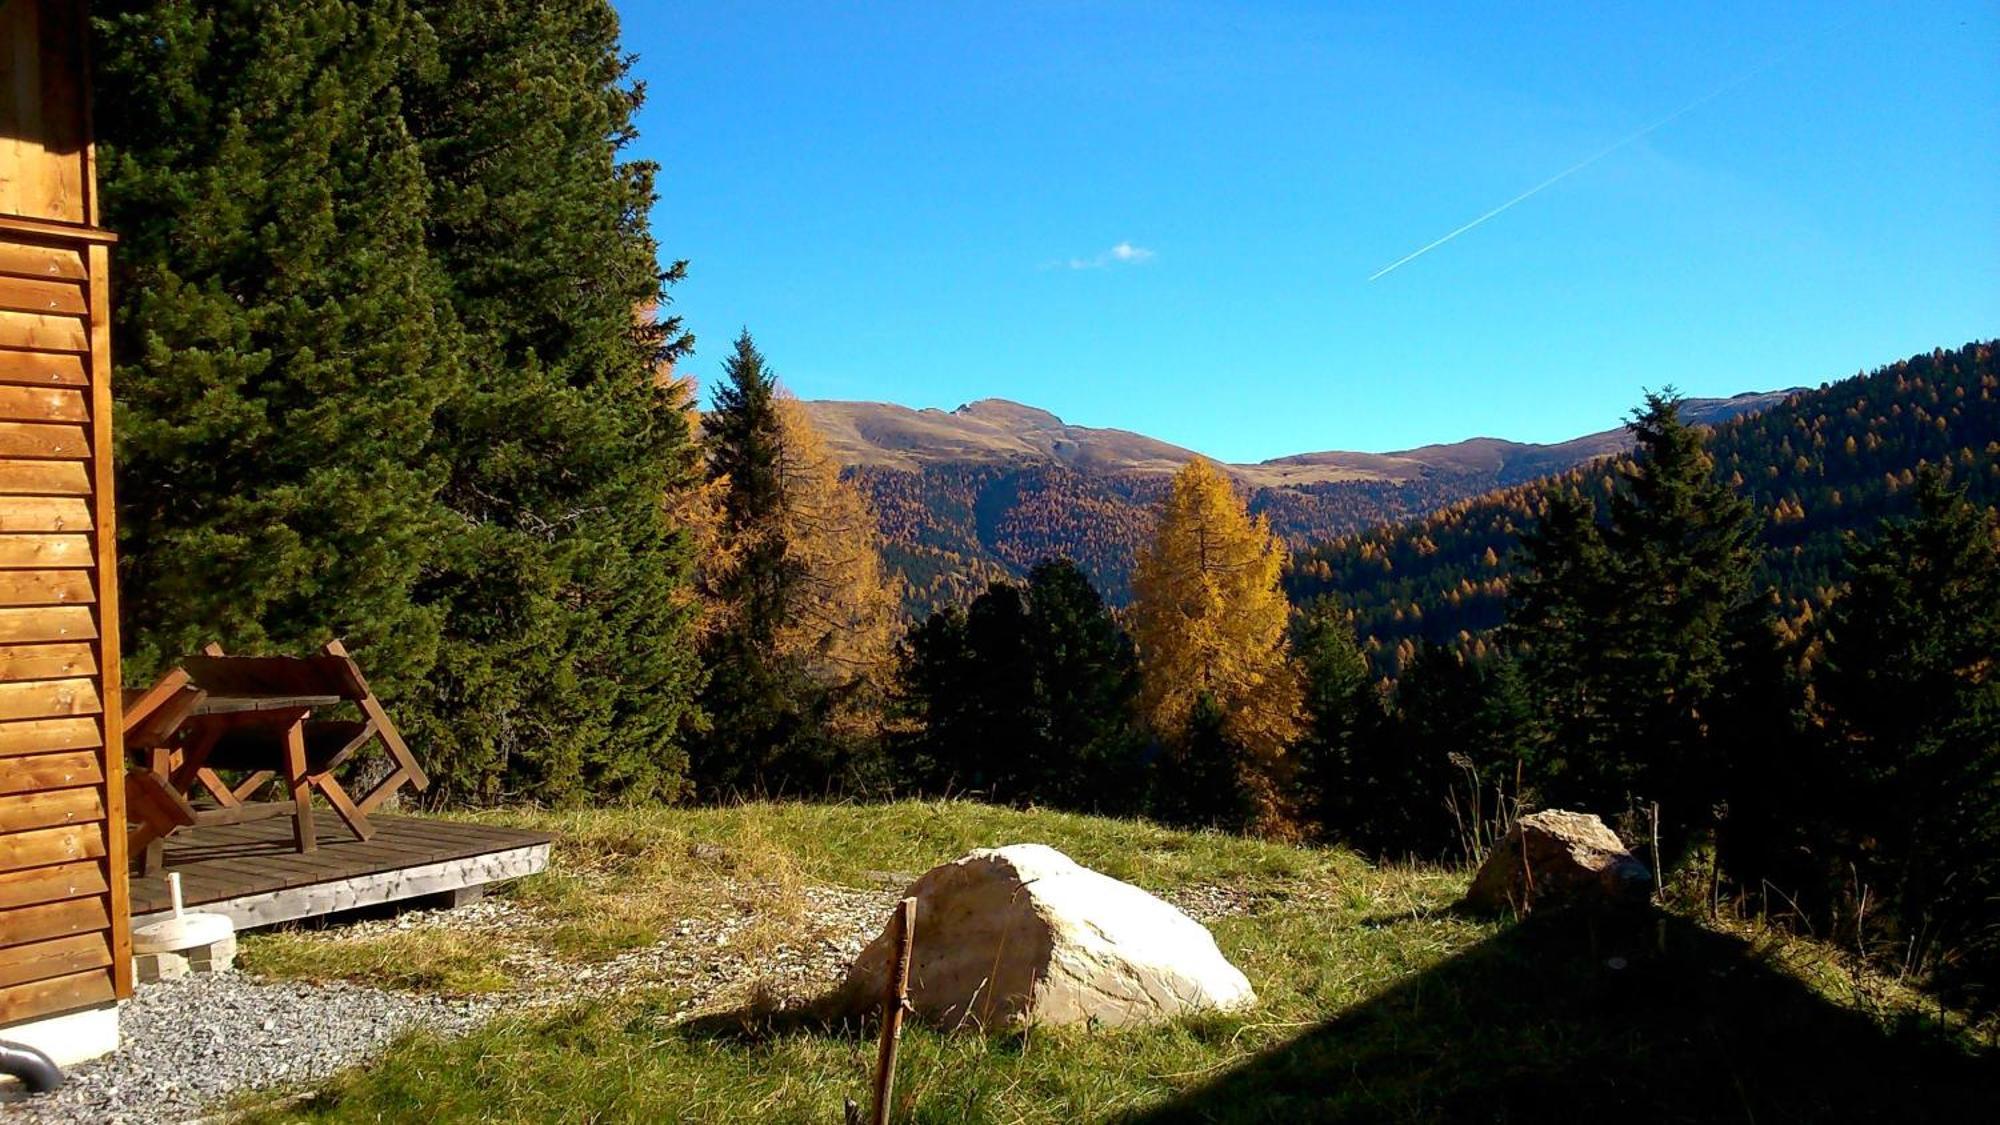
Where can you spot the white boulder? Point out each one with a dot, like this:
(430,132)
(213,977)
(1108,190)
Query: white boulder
(1022,934)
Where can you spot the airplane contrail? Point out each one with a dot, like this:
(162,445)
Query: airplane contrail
(1579,166)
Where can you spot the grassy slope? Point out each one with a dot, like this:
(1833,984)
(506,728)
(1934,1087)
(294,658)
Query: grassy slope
(1379,1003)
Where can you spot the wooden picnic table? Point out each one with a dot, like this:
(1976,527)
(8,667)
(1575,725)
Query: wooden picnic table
(249,715)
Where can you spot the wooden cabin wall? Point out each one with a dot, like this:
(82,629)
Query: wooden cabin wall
(45,170)
(64,915)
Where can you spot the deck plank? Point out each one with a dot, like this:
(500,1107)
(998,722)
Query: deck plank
(227,862)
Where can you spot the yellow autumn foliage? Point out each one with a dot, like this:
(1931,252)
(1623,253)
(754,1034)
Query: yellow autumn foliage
(1210,619)
(840,623)
(843,615)
(696,509)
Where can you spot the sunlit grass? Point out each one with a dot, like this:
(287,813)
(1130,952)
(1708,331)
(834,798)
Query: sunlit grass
(1329,931)
(622,879)
(431,960)
(1378,1001)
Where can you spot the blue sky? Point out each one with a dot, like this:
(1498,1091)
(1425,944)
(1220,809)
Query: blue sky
(926,203)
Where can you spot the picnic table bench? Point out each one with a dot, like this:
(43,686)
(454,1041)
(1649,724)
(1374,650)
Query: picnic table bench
(254,717)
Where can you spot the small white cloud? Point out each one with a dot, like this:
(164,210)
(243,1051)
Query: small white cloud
(1123,254)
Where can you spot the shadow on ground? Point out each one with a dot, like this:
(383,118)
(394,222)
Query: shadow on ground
(1536,1025)
(757,1024)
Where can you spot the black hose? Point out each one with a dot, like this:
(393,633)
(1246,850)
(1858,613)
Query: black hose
(37,1071)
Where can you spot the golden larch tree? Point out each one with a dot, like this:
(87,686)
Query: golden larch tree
(695,506)
(1211,620)
(842,617)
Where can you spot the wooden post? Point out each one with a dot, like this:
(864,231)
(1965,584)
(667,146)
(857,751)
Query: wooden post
(894,1004)
(303,831)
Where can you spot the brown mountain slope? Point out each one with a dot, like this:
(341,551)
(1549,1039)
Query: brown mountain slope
(967,495)
(990,431)
(996,431)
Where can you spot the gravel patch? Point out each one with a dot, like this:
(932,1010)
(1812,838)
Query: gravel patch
(1207,902)
(718,960)
(193,1043)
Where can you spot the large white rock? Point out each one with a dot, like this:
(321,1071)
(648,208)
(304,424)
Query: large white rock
(1022,934)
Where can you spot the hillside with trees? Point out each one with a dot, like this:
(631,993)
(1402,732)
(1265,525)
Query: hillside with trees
(993,487)
(1824,463)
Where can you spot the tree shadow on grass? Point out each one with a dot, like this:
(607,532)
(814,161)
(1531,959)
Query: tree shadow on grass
(1536,1025)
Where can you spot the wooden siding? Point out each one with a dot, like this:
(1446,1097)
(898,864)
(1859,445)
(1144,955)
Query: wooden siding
(45,152)
(64,898)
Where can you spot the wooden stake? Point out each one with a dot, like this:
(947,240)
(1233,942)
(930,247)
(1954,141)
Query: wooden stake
(894,1004)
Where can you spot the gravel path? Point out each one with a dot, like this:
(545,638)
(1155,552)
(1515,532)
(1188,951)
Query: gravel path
(192,1044)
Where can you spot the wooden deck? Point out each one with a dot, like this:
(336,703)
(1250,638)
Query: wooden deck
(253,873)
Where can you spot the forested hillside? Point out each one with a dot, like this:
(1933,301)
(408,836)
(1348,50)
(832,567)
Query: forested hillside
(990,489)
(1823,463)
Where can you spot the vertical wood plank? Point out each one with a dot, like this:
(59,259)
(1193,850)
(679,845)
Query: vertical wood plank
(116,873)
(86,123)
(63,97)
(20,38)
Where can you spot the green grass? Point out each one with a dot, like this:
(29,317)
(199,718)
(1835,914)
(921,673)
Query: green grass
(858,845)
(431,960)
(620,878)
(1378,1002)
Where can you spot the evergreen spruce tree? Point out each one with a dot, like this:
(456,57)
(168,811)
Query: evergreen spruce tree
(1342,713)
(745,440)
(391,370)
(283,338)
(1461,750)
(799,644)
(1560,602)
(1910,692)
(1200,782)
(1683,556)
(999,749)
(942,689)
(1026,695)
(1631,633)
(1776,788)
(752,705)
(567,665)
(1086,750)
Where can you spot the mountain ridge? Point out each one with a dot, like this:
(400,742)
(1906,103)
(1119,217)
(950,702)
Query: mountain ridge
(998,431)
(983,492)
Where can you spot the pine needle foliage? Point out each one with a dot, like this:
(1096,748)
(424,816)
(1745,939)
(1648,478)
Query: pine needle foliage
(1909,692)
(283,337)
(1025,696)
(1630,628)
(567,669)
(389,371)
